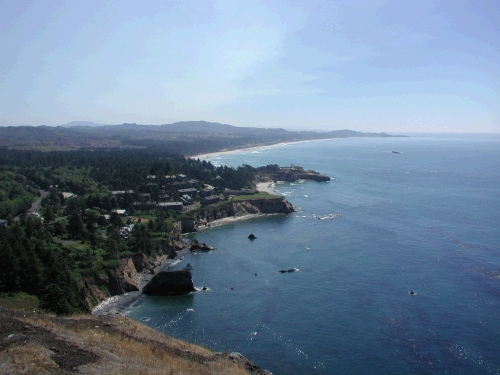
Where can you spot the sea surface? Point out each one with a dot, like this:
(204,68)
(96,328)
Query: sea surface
(425,220)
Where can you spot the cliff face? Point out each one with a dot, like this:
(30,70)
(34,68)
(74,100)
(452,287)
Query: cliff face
(102,284)
(278,205)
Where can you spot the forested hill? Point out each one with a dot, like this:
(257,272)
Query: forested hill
(187,137)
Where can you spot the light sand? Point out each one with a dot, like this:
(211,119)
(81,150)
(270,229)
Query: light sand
(267,187)
(257,147)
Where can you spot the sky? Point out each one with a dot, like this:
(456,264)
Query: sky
(365,65)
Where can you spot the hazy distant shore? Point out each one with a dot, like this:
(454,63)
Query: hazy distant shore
(257,147)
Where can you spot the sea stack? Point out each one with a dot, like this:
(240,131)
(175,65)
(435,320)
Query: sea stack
(170,283)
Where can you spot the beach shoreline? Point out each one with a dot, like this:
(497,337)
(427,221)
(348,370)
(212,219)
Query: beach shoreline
(257,147)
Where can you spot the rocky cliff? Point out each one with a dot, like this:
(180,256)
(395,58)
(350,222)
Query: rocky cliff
(101,284)
(204,216)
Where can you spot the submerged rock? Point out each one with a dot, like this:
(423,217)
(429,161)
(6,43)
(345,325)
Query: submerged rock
(170,283)
(289,270)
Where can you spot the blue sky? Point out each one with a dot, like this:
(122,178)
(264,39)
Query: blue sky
(367,65)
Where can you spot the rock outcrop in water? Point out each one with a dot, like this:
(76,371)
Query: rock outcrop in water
(199,246)
(170,283)
(295,173)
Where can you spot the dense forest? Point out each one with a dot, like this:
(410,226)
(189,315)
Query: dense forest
(75,229)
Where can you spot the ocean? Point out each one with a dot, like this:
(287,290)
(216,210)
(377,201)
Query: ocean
(425,220)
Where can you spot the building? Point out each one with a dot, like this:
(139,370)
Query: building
(120,193)
(239,192)
(120,212)
(210,199)
(186,199)
(3,223)
(163,197)
(170,205)
(207,190)
(189,191)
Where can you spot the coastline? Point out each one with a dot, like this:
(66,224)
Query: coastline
(121,303)
(257,147)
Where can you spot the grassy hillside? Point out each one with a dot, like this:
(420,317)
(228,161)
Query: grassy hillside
(43,344)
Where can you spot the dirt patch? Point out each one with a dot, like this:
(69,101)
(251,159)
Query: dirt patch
(14,333)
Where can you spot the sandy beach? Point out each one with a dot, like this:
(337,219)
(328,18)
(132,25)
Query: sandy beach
(238,150)
(267,187)
(257,147)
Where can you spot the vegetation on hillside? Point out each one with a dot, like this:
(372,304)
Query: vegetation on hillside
(66,237)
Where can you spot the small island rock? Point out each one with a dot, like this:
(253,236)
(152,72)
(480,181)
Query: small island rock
(252,237)
(196,245)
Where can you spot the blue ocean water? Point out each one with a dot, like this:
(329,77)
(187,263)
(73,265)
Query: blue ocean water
(425,220)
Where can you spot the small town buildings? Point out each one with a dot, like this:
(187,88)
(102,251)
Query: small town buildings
(163,197)
(184,184)
(181,177)
(68,195)
(186,199)
(207,190)
(120,212)
(170,205)
(210,199)
(147,205)
(120,193)
(239,192)
(3,223)
(189,191)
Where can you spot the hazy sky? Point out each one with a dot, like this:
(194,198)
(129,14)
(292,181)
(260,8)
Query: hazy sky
(365,65)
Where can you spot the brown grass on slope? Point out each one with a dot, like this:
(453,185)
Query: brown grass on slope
(44,344)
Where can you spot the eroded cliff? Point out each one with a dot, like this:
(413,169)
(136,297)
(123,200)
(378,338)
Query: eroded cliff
(236,208)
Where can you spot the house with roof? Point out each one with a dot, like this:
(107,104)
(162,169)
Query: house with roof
(207,190)
(189,191)
(170,205)
(210,199)
(240,192)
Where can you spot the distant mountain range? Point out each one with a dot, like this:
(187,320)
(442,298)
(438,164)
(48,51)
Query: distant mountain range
(186,137)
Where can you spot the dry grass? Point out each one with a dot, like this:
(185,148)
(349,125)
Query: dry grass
(27,359)
(123,346)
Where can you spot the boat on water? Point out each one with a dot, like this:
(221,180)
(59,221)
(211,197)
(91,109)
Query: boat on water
(396,152)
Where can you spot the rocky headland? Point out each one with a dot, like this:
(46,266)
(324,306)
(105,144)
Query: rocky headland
(235,209)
